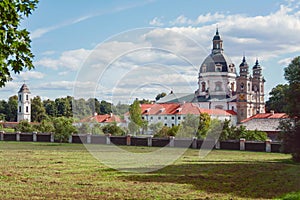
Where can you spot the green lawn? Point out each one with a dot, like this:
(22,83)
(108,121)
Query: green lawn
(68,171)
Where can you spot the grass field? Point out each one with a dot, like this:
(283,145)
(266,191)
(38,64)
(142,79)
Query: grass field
(68,171)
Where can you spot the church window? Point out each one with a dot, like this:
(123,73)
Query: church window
(27,97)
(20,109)
(204,68)
(203,86)
(248,87)
(20,98)
(166,117)
(232,86)
(242,112)
(242,86)
(218,68)
(27,109)
(261,88)
(218,86)
(232,107)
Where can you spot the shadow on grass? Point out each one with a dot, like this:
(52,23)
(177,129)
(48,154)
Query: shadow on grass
(239,179)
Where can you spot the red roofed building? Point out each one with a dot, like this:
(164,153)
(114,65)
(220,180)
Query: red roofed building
(267,122)
(103,119)
(171,114)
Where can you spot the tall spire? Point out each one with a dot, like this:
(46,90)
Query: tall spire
(217,43)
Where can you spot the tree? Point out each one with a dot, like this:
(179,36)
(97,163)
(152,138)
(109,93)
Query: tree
(38,112)
(64,106)
(189,127)
(227,130)
(63,128)
(135,116)
(105,107)
(12,109)
(45,127)
(24,126)
(156,127)
(15,53)
(85,128)
(159,96)
(291,131)
(277,100)
(204,125)
(50,108)
(113,129)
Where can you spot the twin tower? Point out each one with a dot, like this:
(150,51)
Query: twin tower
(220,87)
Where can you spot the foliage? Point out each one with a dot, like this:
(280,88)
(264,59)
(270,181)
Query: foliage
(189,127)
(15,53)
(167,132)
(24,126)
(204,125)
(277,100)
(85,128)
(12,109)
(63,128)
(155,127)
(45,127)
(38,112)
(163,132)
(291,136)
(227,131)
(96,129)
(133,128)
(159,96)
(112,129)
(135,117)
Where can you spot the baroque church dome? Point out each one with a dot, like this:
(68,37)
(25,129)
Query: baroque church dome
(217,61)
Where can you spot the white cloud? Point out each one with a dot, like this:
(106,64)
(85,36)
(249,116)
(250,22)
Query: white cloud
(285,62)
(121,64)
(29,75)
(72,59)
(156,21)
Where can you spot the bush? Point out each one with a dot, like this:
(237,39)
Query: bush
(63,128)
(113,129)
(167,132)
(24,126)
(44,127)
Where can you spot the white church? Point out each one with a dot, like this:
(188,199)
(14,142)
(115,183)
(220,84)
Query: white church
(221,87)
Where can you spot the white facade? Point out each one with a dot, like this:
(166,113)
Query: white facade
(24,104)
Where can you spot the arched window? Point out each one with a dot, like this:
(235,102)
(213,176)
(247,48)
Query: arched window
(218,86)
(232,86)
(203,87)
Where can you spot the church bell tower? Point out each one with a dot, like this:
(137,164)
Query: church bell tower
(24,104)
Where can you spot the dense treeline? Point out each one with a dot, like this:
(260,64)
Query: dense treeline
(60,107)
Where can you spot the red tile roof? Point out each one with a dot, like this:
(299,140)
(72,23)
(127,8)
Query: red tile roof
(180,109)
(107,118)
(267,116)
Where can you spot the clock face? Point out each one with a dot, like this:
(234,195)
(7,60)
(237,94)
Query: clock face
(242,97)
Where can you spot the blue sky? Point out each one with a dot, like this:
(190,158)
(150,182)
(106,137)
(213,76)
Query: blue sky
(105,49)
